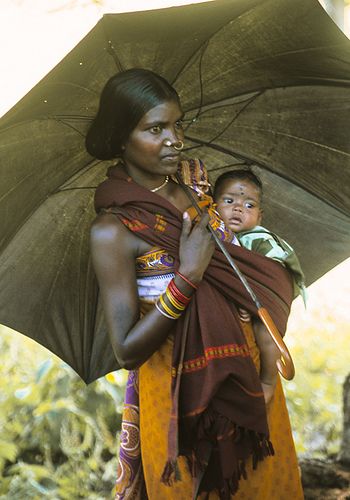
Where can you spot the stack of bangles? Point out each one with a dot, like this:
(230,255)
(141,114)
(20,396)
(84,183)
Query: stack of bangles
(173,302)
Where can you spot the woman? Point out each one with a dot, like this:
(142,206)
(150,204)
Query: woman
(194,416)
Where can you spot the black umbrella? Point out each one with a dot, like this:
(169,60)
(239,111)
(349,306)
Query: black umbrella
(263,83)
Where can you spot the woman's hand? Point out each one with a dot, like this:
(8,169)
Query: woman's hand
(196,248)
(244,315)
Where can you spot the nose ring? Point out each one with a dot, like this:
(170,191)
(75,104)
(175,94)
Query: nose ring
(178,146)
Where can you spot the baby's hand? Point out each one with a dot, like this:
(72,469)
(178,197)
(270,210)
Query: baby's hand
(244,315)
(268,390)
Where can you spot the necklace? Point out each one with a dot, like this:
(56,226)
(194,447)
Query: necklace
(161,186)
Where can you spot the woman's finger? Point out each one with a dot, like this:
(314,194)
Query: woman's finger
(186,225)
(204,220)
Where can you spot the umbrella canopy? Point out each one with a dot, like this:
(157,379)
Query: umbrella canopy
(264,83)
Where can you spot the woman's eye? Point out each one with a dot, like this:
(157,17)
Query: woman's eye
(156,129)
(179,124)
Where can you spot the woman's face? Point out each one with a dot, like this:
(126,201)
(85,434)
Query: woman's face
(146,155)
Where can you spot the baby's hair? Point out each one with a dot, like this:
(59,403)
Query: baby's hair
(242,174)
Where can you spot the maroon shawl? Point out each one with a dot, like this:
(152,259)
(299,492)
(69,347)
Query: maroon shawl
(219,417)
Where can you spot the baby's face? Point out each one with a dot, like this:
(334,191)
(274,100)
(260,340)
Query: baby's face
(238,203)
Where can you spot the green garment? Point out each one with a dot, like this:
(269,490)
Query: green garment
(262,241)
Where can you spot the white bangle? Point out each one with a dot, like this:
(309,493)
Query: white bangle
(163,313)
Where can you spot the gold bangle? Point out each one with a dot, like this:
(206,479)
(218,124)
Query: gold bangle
(173,301)
(167,309)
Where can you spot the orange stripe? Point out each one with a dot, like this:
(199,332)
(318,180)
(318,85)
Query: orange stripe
(219,352)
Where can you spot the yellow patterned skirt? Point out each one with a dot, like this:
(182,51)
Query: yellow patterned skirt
(276,478)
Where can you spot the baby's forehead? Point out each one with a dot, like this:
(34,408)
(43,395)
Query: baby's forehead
(241,186)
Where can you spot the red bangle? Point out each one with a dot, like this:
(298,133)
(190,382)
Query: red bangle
(187,280)
(183,299)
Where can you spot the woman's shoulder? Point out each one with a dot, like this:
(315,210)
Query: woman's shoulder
(106,227)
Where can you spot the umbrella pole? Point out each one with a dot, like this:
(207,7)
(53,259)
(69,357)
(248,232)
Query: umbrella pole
(285,363)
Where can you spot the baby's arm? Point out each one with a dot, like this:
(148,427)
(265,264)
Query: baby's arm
(269,354)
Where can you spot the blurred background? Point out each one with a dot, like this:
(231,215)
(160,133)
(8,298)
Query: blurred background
(58,437)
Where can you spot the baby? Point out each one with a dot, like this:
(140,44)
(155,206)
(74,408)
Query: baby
(238,196)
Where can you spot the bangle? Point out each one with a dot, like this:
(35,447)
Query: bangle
(173,314)
(183,299)
(187,280)
(173,301)
(163,313)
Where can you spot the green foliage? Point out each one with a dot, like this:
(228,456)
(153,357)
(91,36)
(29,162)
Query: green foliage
(58,436)
(314,397)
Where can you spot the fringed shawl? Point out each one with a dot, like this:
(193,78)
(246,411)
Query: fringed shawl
(218,415)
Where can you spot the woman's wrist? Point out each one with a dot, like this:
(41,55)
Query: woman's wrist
(193,277)
(173,302)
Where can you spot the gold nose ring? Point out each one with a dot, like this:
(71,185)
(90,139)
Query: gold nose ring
(178,146)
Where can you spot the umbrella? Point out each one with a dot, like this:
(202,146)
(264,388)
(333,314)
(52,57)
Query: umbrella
(263,83)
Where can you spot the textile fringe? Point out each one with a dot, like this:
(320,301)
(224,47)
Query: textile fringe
(233,445)
(171,473)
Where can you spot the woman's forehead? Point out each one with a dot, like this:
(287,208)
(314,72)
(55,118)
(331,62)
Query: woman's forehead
(163,112)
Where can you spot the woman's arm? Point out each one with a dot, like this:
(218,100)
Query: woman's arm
(114,250)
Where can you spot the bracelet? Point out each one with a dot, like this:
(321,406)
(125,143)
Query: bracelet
(183,299)
(162,312)
(187,280)
(173,301)
(173,314)
(177,302)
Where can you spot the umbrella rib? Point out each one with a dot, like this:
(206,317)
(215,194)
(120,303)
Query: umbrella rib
(82,171)
(250,161)
(110,47)
(234,118)
(200,87)
(297,138)
(205,44)
(278,55)
(69,84)
(50,291)
(222,103)
(56,118)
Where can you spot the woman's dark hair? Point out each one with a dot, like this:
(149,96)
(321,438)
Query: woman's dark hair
(126,97)
(243,174)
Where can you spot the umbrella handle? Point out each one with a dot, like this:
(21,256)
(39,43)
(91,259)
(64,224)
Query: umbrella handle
(285,363)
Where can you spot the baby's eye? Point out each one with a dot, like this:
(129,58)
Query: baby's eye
(156,129)
(228,201)
(249,205)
